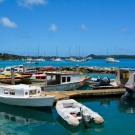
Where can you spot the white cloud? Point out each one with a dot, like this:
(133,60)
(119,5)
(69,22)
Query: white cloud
(125,30)
(29,3)
(53,27)
(1,1)
(7,23)
(84,27)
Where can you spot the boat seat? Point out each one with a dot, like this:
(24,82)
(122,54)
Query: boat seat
(73,110)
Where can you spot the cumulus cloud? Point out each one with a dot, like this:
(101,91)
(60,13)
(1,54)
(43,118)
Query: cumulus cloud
(125,30)
(53,27)
(1,1)
(84,27)
(29,3)
(7,23)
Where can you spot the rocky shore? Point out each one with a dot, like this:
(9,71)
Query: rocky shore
(82,69)
(87,69)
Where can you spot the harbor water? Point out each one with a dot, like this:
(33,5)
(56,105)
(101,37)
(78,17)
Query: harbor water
(119,119)
(93,62)
(119,115)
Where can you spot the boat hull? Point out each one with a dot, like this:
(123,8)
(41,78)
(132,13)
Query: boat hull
(45,101)
(64,87)
(112,61)
(66,109)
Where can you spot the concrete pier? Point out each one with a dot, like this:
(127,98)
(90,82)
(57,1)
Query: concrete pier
(84,93)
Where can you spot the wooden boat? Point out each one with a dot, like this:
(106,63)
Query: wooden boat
(73,112)
(60,80)
(24,95)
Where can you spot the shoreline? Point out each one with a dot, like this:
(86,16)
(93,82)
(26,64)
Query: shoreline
(81,69)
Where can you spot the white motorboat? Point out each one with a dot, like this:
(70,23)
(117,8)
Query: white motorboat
(24,95)
(73,112)
(111,60)
(39,59)
(60,80)
(31,62)
(57,60)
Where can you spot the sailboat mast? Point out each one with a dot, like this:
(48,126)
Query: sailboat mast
(56,52)
(38,51)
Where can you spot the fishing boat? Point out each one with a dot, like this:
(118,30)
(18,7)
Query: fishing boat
(60,80)
(25,95)
(73,112)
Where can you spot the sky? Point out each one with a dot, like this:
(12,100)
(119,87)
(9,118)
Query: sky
(67,27)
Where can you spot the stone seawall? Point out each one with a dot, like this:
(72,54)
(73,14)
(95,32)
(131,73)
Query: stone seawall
(82,69)
(87,69)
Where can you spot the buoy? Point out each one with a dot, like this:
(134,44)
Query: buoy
(81,83)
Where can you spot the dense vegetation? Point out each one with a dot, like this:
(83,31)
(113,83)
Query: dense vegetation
(114,56)
(6,56)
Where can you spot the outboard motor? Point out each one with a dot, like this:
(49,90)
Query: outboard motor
(86,117)
(128,93)
(103,82)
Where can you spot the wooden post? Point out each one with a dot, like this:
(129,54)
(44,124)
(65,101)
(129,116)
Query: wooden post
(12,76)
(23,68)
(77,68)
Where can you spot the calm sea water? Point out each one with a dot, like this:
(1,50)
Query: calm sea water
(119,115)
(119,119)
(93,62)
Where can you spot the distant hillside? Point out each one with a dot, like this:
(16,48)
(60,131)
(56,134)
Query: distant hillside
(6,56)
(114,56)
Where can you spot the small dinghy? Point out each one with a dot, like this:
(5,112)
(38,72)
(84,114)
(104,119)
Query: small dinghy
(74,112)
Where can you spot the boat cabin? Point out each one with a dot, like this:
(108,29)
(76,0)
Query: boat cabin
(125,76)
(21,90)
(55,78)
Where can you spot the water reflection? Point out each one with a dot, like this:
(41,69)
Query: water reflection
(81,128)
(24,115)
(127,106)
(103,101)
